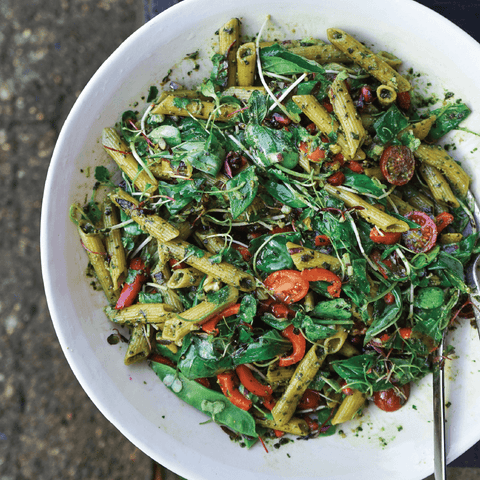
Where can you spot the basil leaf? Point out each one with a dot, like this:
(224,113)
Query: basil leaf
(276,59)
(448,119)
(337,308)
(283,194)
(183,192)
(241,198)
(389,124)
(362,183)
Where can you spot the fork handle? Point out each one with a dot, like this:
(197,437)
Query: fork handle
(440,464)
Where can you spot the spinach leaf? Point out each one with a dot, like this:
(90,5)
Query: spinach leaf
(219,73)
(133,228)
(337,308)
(276,59)
(270,146)
(389,124)
(362,183)
(274,254)
(384,315)
(312,328)
(453,270)
(182,192)
(248,309)
(283,194)
(241,190)
(448,118)
(260,348)
(169,133)
(257,107)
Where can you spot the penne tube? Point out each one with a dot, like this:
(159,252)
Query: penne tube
(114,246)
(436,156)
(120,152)
(304,258)
(321,53)
(389,58)
(139,346)
(229,38)
(422,128)
(370,62)
(371,214)
(347,115)
(323,120)
(164,170)
(307,368)
(402,206)
(295,426)
(213,244)
(161,275)
(450,238)
(278,376)
(349,407)
(348,350)
(196,107)
(155,313)
(93,245)
(334,343)
(243,92)
(386,95)
(229,274)
(246,63)
(185,277)
(437,184)
(156,226)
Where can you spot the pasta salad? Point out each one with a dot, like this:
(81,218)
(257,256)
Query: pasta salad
(287,241)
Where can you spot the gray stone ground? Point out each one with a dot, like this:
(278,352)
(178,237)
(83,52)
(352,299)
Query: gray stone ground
(49,429)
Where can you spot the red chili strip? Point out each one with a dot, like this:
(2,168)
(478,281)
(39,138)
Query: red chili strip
(324,275)
(385,238)
(299,345)
(227,382)
(210,326)
(130,291)
(248,380)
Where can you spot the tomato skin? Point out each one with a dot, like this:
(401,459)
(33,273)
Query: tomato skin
(288,285)
(389,298)
(397,164)
(443,220)
(404,100)
(354,166)
(322,241)
(405,332)
(389,400)
(423,239)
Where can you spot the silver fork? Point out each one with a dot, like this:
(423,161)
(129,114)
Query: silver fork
(439,444)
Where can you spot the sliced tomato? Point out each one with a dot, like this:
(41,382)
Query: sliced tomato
(288,286)
(391,400)
(397,164)
(420,239)
(404,100)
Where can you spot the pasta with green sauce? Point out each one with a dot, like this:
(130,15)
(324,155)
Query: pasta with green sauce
(283,242)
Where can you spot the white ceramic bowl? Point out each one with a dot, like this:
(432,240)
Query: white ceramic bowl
(390,445)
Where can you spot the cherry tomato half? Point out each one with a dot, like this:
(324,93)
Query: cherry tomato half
(397,164)
(288,285)
(390,400)
(420,239)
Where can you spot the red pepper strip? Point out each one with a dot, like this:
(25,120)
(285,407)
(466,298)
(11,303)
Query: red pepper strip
(155,357)
(311,399)
(346,390)
(322,241)
(376,256)
(244,252)
(303,147)
(227,385)
(299,345)
(442,220)
(338,157)
(130,291)
(210,325)
(324,275)
(248,380)
(385,238)
(269,402)
(336,179)
(354,166)
(288,228)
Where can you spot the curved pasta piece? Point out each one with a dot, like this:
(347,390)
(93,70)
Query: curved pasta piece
(364,57)
(373,215)
(349,407)
(308,258)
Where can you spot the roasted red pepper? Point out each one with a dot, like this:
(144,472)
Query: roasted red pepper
(385,238)
(248,380)
(210,326)
(322,241)
(336,179)
(324,275)
(130,291)
(228,385)
(442,220)
(299,345)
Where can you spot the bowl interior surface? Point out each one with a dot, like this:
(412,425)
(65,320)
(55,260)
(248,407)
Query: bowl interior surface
(399,444)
